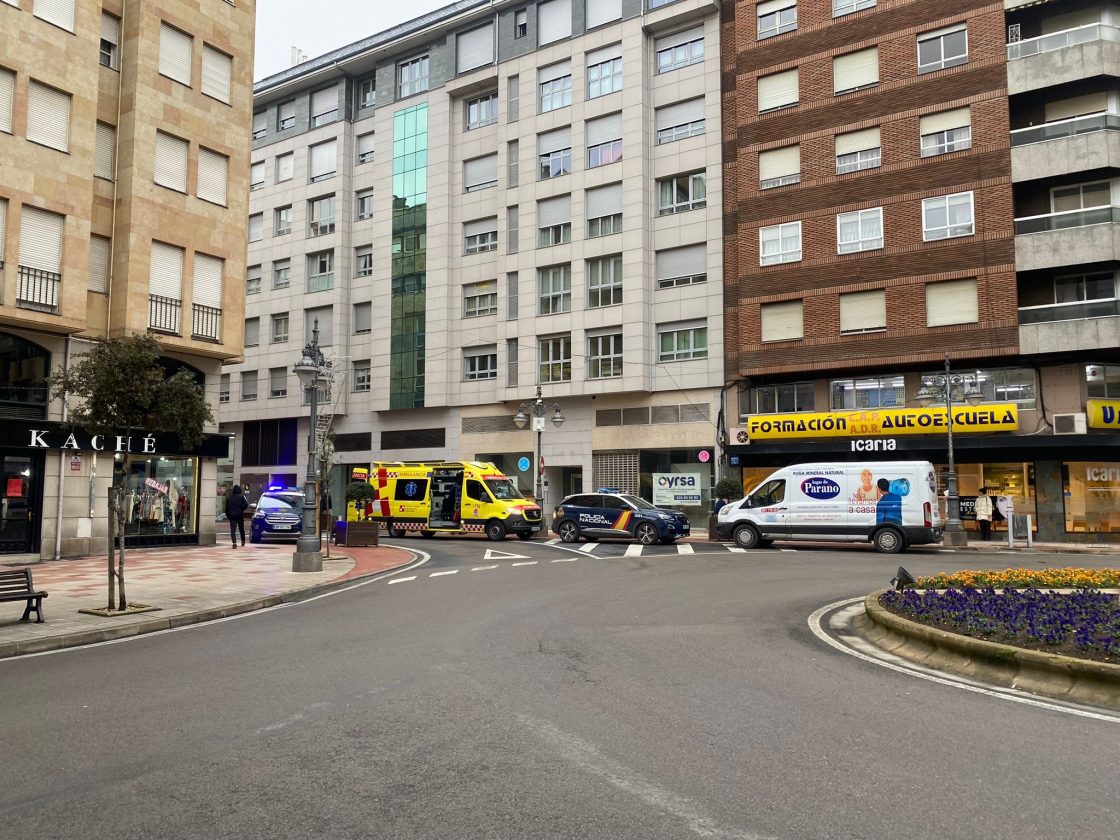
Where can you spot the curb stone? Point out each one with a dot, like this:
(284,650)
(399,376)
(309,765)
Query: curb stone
(139,628)
(1049,674)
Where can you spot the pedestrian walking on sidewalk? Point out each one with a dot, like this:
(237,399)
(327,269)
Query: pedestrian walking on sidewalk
(236,505)
(984,514)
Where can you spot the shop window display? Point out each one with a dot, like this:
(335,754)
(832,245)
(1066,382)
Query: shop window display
(1092,496)
(160,496)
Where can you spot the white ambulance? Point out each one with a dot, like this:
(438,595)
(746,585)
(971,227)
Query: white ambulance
(892,504)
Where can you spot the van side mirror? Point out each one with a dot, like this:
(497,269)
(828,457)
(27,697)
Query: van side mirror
(747,502)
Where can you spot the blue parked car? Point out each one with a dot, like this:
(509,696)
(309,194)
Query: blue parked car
(620,515)
(279,515)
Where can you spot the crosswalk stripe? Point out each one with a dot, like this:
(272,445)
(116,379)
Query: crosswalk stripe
(685,548)
(634,550)
(587,549)
(736,549)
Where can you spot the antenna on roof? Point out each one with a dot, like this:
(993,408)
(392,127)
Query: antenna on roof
(298,56)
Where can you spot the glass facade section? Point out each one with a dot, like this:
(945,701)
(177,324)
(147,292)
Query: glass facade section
(409,257)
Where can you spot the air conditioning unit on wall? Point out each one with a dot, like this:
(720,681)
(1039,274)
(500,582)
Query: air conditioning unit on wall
(1069,424)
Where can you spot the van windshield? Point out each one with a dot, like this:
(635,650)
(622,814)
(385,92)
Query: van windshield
(503,489)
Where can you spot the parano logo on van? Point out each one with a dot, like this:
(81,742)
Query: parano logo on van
(820,488)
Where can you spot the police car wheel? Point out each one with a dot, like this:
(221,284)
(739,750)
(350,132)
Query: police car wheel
(568,531)
(646,534)
(747,536)
(495,530)
(889,541)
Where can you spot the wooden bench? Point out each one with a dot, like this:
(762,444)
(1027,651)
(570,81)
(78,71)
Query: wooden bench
(16,585)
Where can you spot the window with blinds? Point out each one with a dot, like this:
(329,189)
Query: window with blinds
(3,227)
(7,96)
(779,167)
(48,116)
(217,71)
(682,266)
(321,316)
(480,173)
(322,161)
(286,116)
(855,70)
(109,49)
(1077,106)
(779,243)
(603,210)
(166,277)
(783,321)
(256,175)
(213,176)
(260,124)
(171,162)
(554,221)
(679,120)
(776,17)
(248,384)
(599,12)
(40,241)
(324,106)
(952,302)
(949,131)
(778,90)
(277,383)
(474,48)
(554,21)
(863,312)
(58,12)
(858,150)
(175,54)
(256,227)
(285,167)
(860,230)
(208,280)
(365,147)
(363,318)
(104,149)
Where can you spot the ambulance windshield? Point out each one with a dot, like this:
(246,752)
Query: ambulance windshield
(503,489)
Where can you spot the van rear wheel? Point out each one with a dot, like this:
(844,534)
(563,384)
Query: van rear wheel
(747,536)
(889,541)
(395,530)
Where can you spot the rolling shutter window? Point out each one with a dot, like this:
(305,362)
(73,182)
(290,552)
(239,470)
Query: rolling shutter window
(779,163)
(213,176)
(599,12)
(105,142)
(284,166)
(946,120)
(98,264)
(3,226)
(252,332)
(777,90)
(857,141)
(58,12)
(679,38)
(277,382)
(604,129)
(260,124)
(554,141)
(322,314)
(365,147)
(256,227)
(474,48)
(166,278)
(855,70)
(323,159)
(554,211)
(481,226)
(689,261)
(1078,106)
(862,311)
(363,317)
(483,170)
(554,71)
(7,94)
(40,241)
(256,174)
(603,201)
(679,113)
(171,162)
(48,116)
(217,68)
(554,21)
(605,54)
(287,112)
(175,54)
(782,321)
(111,30)
(208,280)
(952,302)
(323,102)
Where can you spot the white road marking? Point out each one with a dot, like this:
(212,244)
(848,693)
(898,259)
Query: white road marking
(484,568)
(963,683)
(401,580)
(564,560)
(587,757)
(947,551)
(491,554)
(634,550)
(685,548)
(735,549)
(552,541)
(441,574)
(525,563)
(790,550)
(587,549)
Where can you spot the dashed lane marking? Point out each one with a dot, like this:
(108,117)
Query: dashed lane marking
(790,550)
(401,580)
(525,563)
(441,574)
(685,548)
(564,560)
(633,550)
(587,549)
(484,568)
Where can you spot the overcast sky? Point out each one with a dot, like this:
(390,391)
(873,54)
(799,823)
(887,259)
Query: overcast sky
(319,26)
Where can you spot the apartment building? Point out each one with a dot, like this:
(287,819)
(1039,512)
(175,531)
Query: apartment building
(909,182)
(123,194)
(492,197)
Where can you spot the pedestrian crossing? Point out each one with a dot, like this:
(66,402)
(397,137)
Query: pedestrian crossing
(681,549)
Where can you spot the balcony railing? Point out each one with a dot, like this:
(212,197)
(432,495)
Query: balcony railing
(1067,219)
(207,322)
(1075,311)
(1060,40)
(1065,128)
(164,314)
(38,289)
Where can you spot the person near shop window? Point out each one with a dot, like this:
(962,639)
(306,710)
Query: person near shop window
(984,514)
(236,505)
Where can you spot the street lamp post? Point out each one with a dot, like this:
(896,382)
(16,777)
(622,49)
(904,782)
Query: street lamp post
(940,387)
(310,370)
(536,409)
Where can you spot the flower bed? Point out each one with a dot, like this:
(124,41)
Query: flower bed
(1023,579)
(1083,624)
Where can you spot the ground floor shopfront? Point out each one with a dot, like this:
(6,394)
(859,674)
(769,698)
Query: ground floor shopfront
(1068,484)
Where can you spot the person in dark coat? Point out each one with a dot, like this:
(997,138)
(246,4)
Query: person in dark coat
(236,504)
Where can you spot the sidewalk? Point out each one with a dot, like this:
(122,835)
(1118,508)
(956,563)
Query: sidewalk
(189,585)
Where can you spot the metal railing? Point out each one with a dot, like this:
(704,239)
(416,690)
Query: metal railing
(206,322)
(1074,311)
(1065,128)
(38,289)
(1067,219)
(1060,40)
(164,314)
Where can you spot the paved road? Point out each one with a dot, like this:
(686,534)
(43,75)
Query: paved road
(558,694)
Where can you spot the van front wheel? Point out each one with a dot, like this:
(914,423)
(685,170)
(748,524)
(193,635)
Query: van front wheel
(747,536)
(495,530)
(889,541)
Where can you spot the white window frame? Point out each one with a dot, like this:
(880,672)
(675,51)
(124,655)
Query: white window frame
(554,289)
(279,326)
(674,133)
(554,94)
(520,23)
(478,366)
(604,225)
(364,204)
(412,76)
(951,140)
(846,7)
(679,56)
(943,62)
(603,276)
(277,383)
(109,49)
(774,20)
(480,299)
(249,377)
(319,222)
(363,261)
(253,280)
(856,161)
(361,376)
(686,345)
(480,243)
(482,111)
(547,164)
(367,155)
(933,234)
(693,202)
(282,226)
(320,271)
(552,235)
(367,92)
(281,273)
(783,254)
(604,154)
(604,78)
(554,359)
(864,242)
(604,356)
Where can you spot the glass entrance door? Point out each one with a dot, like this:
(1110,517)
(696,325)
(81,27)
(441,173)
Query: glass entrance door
(19,503)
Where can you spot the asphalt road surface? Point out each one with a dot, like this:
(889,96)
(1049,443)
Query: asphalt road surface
(544,692)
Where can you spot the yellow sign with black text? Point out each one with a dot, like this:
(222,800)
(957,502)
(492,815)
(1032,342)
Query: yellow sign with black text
(1103,414)
(991,417)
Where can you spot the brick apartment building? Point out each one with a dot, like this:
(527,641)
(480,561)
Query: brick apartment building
(906,181)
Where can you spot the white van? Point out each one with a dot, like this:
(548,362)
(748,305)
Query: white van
(892,504)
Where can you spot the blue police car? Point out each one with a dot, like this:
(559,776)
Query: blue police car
(279,515)
(593,516)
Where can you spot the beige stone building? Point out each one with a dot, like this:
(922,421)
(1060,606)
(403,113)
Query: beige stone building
(124,159)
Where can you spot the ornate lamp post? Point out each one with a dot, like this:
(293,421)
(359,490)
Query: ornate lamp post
(537,409)
(942,387)
(311,370)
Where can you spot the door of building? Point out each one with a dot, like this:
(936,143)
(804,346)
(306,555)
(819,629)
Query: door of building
(21,491)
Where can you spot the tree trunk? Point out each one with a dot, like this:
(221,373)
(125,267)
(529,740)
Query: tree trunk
(112,524)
